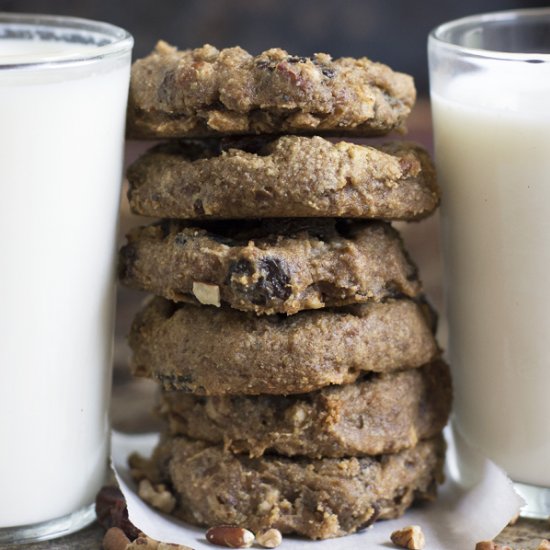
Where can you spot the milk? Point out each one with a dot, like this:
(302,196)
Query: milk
(61,138)
(492,137)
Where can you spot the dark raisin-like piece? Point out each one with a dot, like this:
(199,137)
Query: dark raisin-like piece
(198,208)
(273,282)
(111,511)
(167,87)
(240,267)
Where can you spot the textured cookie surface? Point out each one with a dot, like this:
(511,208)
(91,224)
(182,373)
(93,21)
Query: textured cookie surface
(212,351)
(206,91)
(381,413)
(290,176)
(282,266)
(319,499)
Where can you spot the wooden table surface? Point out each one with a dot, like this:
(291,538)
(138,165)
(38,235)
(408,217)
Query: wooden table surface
(133,399)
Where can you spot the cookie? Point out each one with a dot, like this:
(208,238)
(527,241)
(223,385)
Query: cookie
(267,267)
(206,91)
(210,351)
(380,413)
(289,176)
(319,499)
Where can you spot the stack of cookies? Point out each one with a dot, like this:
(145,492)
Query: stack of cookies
(302,386)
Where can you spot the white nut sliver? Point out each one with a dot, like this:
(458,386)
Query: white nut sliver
(207,294)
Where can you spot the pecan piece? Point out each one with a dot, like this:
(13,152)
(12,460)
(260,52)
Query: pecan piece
(230,536)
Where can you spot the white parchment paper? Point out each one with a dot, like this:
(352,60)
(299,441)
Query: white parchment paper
(461,516)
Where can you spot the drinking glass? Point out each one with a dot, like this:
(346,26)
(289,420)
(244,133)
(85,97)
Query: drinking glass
(63,92)
(490,93)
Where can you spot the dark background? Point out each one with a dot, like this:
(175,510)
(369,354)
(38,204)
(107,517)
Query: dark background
(390,31)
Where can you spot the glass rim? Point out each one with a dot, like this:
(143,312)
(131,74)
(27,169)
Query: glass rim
(436,35)
(120,40)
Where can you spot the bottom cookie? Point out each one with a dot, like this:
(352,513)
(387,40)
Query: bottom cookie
(319,498)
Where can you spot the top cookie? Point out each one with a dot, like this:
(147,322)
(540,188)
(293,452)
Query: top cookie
(208,92)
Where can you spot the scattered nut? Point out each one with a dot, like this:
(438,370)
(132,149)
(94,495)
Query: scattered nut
(544,544)
(490,545)
(206,294)
(270,538)
(230,536)
(157,496)
(115,539)
(410,537)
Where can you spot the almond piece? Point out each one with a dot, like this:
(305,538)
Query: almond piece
(230,536)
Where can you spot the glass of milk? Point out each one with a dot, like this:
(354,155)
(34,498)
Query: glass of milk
(63,92)
(490,91)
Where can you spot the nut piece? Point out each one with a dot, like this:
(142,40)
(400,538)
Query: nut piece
(544,544)
(157,496)
(206,294)
(270,538)
(230,536)
(115,539)
(410,537)
(491,545)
